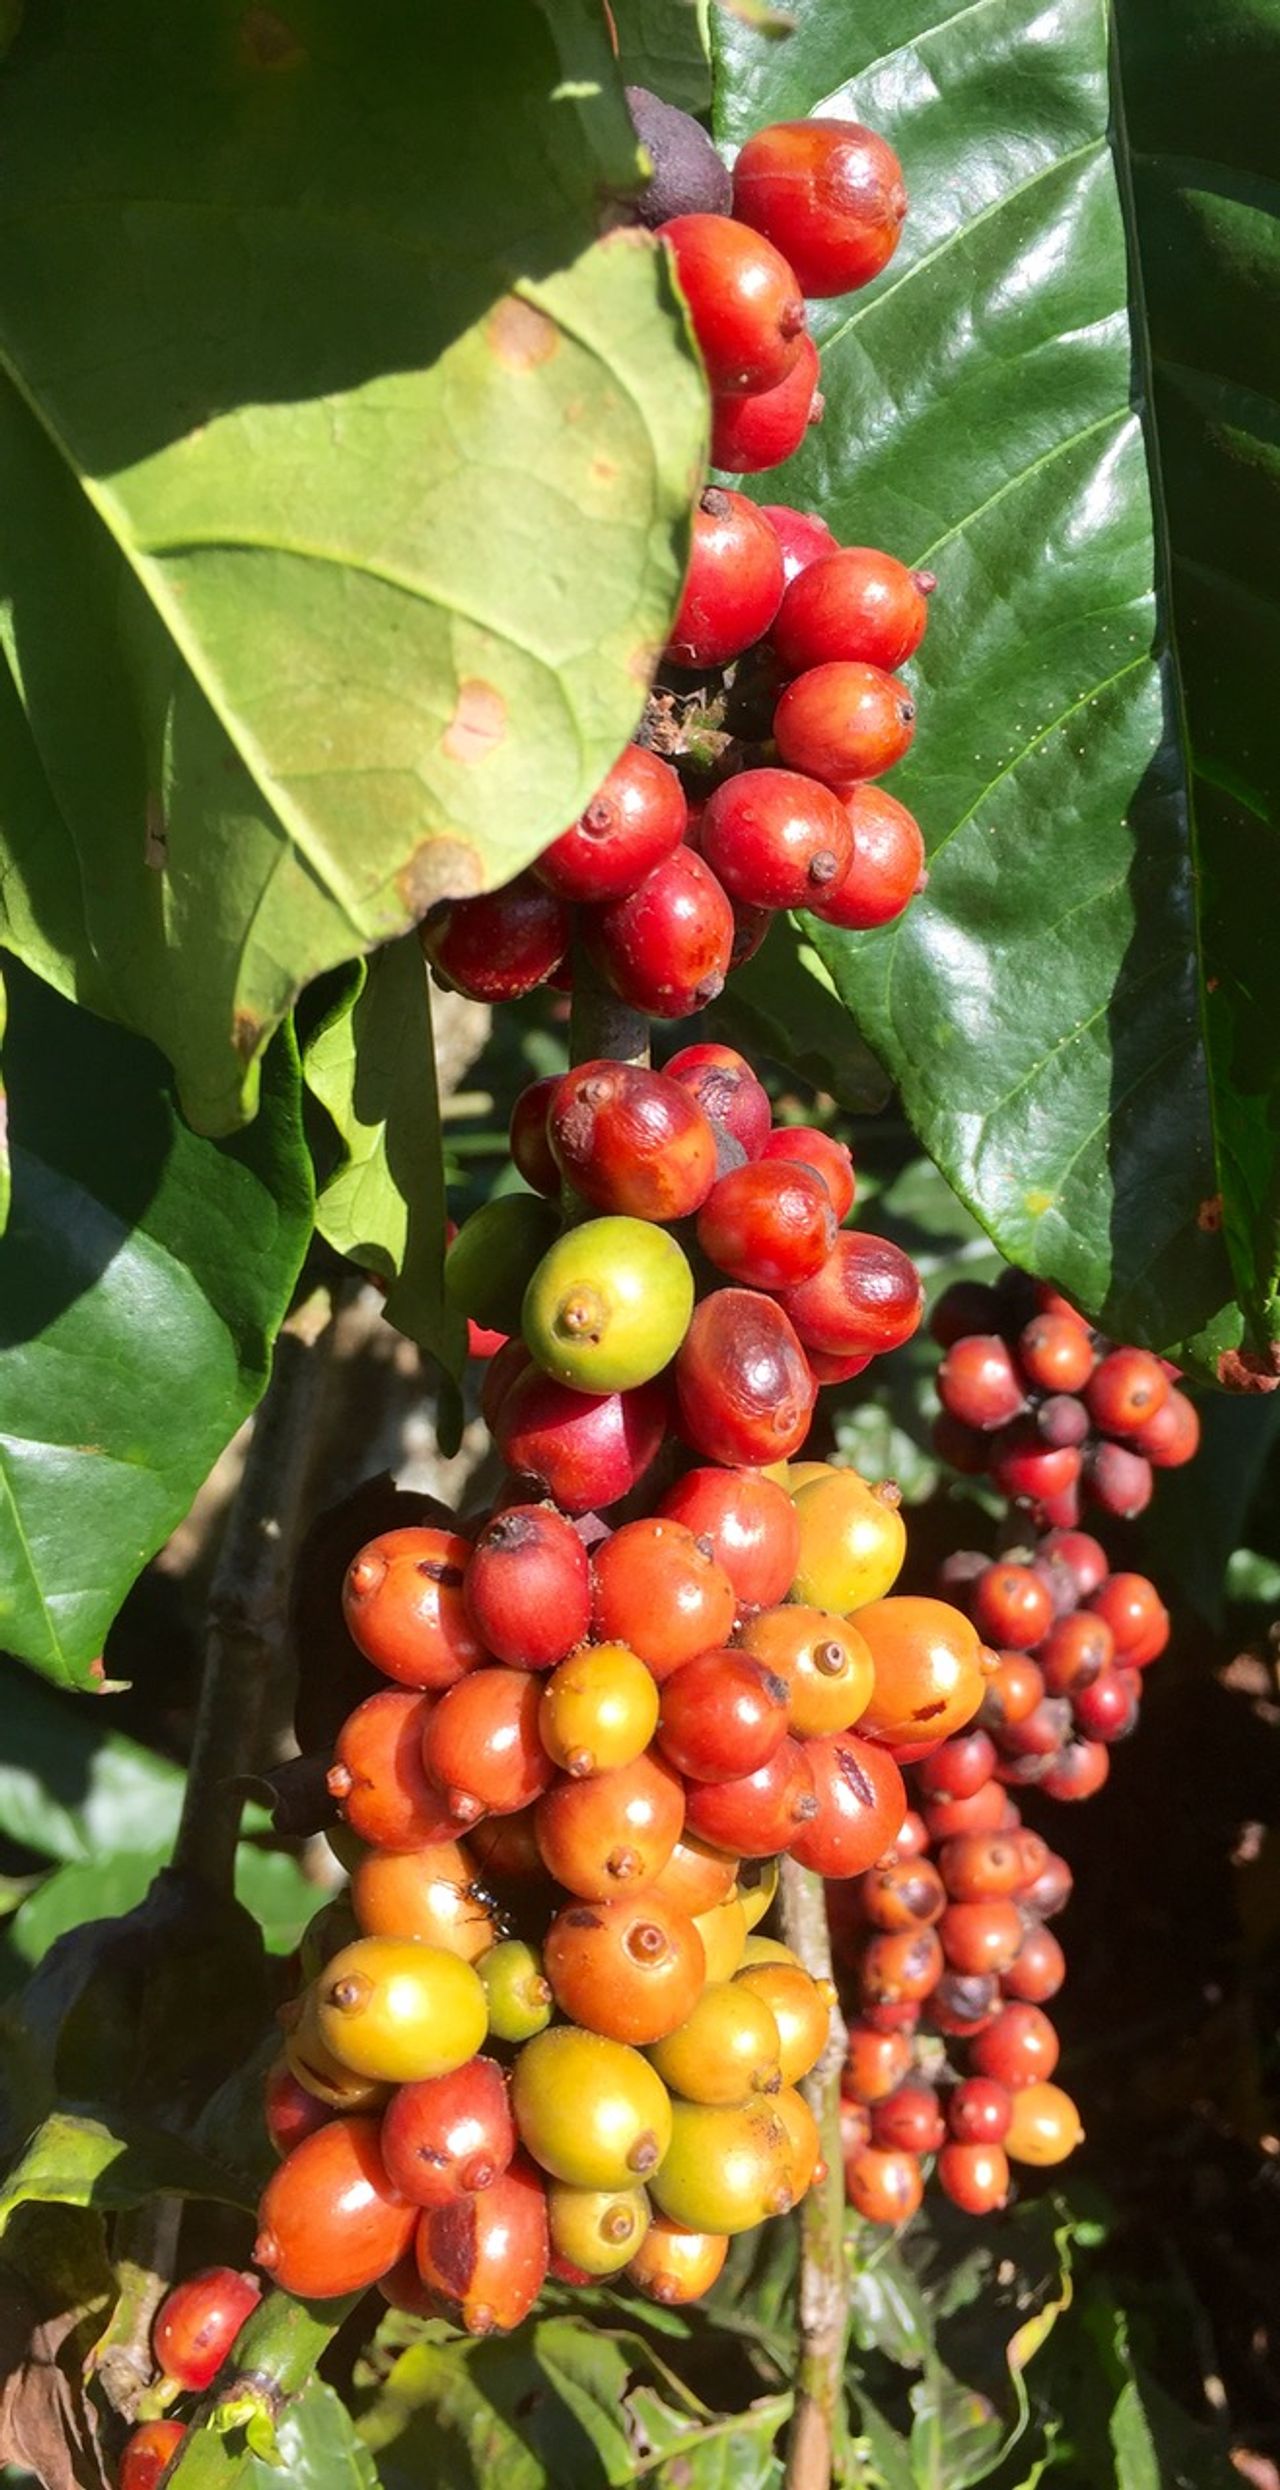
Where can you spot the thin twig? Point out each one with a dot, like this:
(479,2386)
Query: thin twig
(824,2292)
(601,1025)
(146,2247)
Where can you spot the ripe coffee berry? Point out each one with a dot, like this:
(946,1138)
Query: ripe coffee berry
(531,1152)
(198,2321)
(865,1298)
(1038,1969)
(855,604)
(768,1225)
(404,1607)
(733,586)
(1107,1710)
(666,947)
(450,2136)
(762,1812)
(723,1084)
(330,2220)
(635,819)
(829,1159)
(1030,1471)
(147,2453)
(845,722)
(803,536)
(528,1586)
(631,1141)
(659,1590)
(974,2175)
(488,2257)
(875,2064)
(829,193)
(979,1383)
(482,1748)
(755,429)
(743,1389)
(378,1776)
(860,1804)
(979,2110)
(752,1528)
(1019,2047)
(1131,1607)
(1079,1772)
(1056,1353)
(883,2186)
(632,1969)
(500,945)
(1172,1436)
(1011,1607)
(613,1832)
(585,1449)
(959,1768)
(1076,1651)
(910,2121)
(1119,1480)
(886,867)
(745,304)
(722,1716)
(775,839)
(1126,1390)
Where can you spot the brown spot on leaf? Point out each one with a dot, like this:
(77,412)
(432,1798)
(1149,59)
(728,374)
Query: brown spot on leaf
(604,471)
(478,724)
(246,1034)
(268,42)
(1244,1370)
(1209,1215)
(520,335)
(155,833)
(439,869)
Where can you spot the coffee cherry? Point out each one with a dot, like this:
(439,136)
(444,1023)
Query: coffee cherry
(979,1383)
(330,2220)
(1050,1891)
(726,2169)
(147,2453)
(856,604)
(829,193)
(775,839)
(929,1669)
(1170,1437)
(1011,1607)
(903,1894)
(404,1607)
(379,1779)
(964,2003)
(852,1541)
(317,2069)
(727,2047)
(590,2110)
(398,2011)
(631,1142)
(290,2111)
(613,1832)
(527,1587)
(500,945)
(883,2186)
(429,1894)
(960,1768)
(744,302)
(527,1133)
(673,2265)
(733,586)
(449,2137)
(1020,2047)
(979,2110)
(198,2321)
(1131,1607)
(722,1716)
(1041,1734)
(910,2121)
(1056,1353)
(743,1390)
(724,1935)
(828,1158)
(584,1449)
(1044,2127)
(481,1745)
(608,1305)
(656,1588)
(885,870)
(1119,1480)
(505,1849)
(688,176)
(984,1935)
(1061,1420)
(1108,1709)
(860,1803)
(988,1811)
(821,1660)
(761,1812)
(1013,1690)
(598,2230)
(975,2175)
(1075,1652)
(1083,1557)
(599,1710)
(666,948)
(768,1225)
(633,1968)
(803,536)
(1126,1391)
(723,1084)
(841,723)
(487,2256)
(1079,1772)
(635,819)
(898,1969)
(750,1524)
(1027,1469)
(803,2162)
(696,1877)
(876,2062)
(1038,1969)
(866,1298)
(755,429)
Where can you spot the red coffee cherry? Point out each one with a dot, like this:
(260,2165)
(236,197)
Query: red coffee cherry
(290,2112)
(903,1967)
(330,2221)
(1172,1436)
(966,1306)
(744,302)
(528,1586)
(903,1893)
(964,2003)
(1084,1558)
(803,536)
(531,1151)
(487,2256)
(1131,1607)
(910,2121)
(829,193)
(635,819)
(855,604)
(666,948)
(1126,1391)
(887,867)
(867,1297)
(1037,1971)
(828,1158)
(1056,1353)
(659,1590)
(500,945)
(1011,1607)
(762,1812)
(979,2111)
(979,1383)
(987,1811)
(756,429)
(1049,1890)
(775,839)
(613,1832)
(974,2175)
(883,2187)
(1075,1652)
(723,1716)
(632,1969)
(585,1449)
(198,2321)
(1079,1772)
(147,2453)
(876,2063)
(450,2136)
(1042,1732)
(1108,1709)
(723,1084)
(733,585)
(981,1867)
(981,1936)
(743,1389)
(768,1225)
(481,1745)
(405,1610)
(860,1805)
(959,1768)
(751,1524)
(1119,1480)
(1020,2047)
(1061,1419)
(631,1141)
(844,722)
(1027,1469)
(379,1779)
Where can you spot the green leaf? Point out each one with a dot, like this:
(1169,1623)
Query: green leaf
(371,466)
(143,1276)
(1198,1519)
(6,1180)
(313,2441)
(784,1003)
(269,1883)
(1039,1004)
(956,2436)
(662,44)
(371,1063)
(74,1788)
(78,2158)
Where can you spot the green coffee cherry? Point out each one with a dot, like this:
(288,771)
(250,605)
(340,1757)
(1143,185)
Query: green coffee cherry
(608,1305)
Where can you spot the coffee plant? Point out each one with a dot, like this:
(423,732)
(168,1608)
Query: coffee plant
(639,1245)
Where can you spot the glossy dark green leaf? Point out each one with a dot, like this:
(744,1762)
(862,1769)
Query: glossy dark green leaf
(662,44)
(1041,1004)
(286,2424)
(143,1276)
(1200,1515)
(784,1003)
(5,1176)
(371,466)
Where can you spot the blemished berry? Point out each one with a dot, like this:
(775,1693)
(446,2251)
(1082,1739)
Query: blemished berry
(198,2321)
(633,820)
(743,1388)
(860,1802)
(487,2258)
(1075,1652)
(733,586)
(147,2453)
(844,722)
(768,1225)
(903,1967)
(964,2003)
(527,1587)
(688,176)
(404,1606)
(829,193)
(1081,1770)
(666,948)
(829,1158)
(1084,1557)
(1119,1480)
(500,945)
(1062,1419)
(803,536)
(752,430)
(723,1084)
(886,869)
(905,1893)
(449,2137)
(1132,1609)
(585,1449)
(776,839)
(866,1298)
(854,604)
(631,1141)
(745,304)
(979,1383)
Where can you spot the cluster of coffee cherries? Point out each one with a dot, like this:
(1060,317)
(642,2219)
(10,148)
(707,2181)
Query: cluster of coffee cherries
(1053,1412)
(192,2334)
(611,1331)
(784,640)
(542,2033)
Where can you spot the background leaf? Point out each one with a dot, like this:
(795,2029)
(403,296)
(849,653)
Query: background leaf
(662,44)
(143,1276)
(309,355)
(784,1003)
(74,1788)
(1039,1004)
